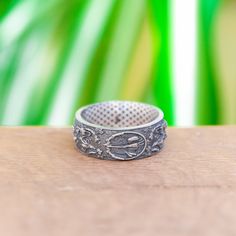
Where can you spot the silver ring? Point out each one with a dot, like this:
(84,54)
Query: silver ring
(119,130)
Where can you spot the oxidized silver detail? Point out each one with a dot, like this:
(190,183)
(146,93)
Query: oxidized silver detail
(126,145)
(85,139)
(113,141)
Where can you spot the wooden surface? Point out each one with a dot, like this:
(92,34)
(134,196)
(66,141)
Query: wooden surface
(49,188)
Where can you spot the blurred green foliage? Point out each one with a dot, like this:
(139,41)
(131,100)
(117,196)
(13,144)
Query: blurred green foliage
(58,55)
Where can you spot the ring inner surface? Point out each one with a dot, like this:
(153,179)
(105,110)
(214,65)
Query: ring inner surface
(119,114)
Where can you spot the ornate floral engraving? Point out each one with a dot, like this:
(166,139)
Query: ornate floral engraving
(156,138)
(86,139)
(120,145)
(126,145)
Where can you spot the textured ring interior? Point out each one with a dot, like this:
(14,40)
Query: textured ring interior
(119,114)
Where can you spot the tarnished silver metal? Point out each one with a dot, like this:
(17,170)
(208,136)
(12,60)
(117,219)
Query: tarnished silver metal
(119,130)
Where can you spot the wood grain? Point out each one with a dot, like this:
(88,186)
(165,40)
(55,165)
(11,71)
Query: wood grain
(48,188)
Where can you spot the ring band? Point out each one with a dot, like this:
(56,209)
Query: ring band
(119,130)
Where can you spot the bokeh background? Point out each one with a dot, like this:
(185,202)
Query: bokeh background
(58,55)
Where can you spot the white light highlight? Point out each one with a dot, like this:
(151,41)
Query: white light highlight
(74,73)
(184,16)
(24,82)
(14,24)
